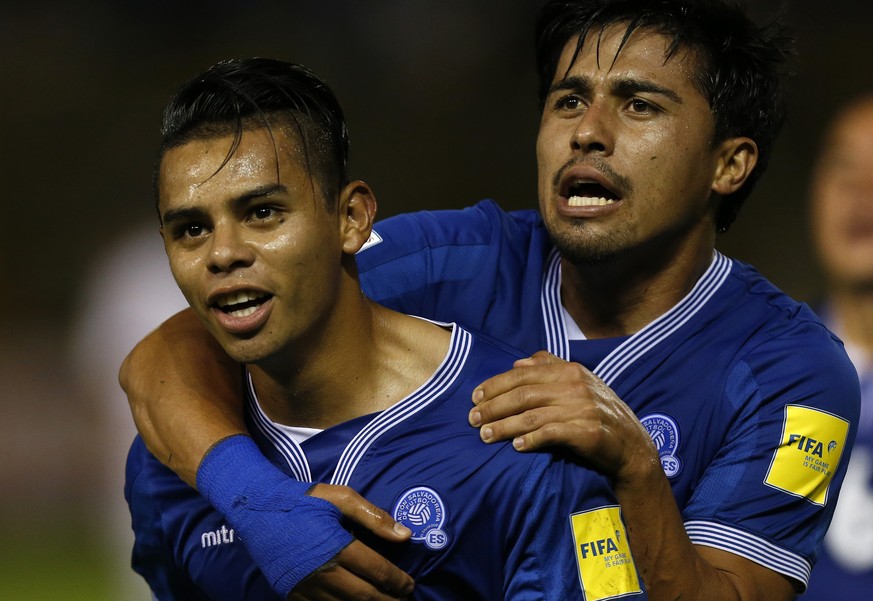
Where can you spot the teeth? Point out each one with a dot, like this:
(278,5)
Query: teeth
(588,201)
(237,298)
(243,312)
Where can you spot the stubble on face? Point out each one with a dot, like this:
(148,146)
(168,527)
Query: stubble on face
(638,126)
(577,242)
(578,246)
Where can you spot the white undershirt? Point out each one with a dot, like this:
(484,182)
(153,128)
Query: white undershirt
(297,433)
(574,332)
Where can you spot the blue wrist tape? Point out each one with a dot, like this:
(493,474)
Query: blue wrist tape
(288,533)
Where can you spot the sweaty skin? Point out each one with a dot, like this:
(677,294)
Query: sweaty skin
(618,124)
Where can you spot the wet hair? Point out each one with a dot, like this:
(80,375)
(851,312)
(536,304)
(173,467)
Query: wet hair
(233,96)
(740,65)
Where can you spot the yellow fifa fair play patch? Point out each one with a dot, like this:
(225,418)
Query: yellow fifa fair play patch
(809,453)
(606,567)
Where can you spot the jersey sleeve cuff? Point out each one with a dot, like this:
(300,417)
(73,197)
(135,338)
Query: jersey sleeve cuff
(753,548)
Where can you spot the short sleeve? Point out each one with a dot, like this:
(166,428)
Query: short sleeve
(183,547)
(770,492)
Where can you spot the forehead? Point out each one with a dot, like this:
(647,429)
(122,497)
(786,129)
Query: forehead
(210,167)
(645,53)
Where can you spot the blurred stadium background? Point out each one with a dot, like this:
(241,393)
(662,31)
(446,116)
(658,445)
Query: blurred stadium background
(440,100)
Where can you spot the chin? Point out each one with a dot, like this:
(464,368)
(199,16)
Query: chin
(245,353)
(582,249)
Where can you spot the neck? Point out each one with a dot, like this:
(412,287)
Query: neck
(621,295)
(344,372)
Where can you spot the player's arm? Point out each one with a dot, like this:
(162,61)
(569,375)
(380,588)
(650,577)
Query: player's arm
(544,402)
(185,395)
(184,392)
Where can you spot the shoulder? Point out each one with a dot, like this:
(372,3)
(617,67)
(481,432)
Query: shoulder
(479,225)
(498,354)
(784,355)
(452,265)
(461,224)
(785,338)
(766,307)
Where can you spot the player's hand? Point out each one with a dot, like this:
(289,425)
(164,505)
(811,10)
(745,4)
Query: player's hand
(544,401)
(357,573)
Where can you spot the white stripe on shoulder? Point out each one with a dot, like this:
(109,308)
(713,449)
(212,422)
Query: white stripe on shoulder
(750,546)
(290,450)
(439,382)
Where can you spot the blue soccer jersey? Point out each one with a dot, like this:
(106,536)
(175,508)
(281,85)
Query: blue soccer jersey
(488,522)
(751,402)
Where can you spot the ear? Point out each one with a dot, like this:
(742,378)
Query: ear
(357,207)
(737,158)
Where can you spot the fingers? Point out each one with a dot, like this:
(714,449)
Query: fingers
(364,570)
(368,565)
(530,388)
(524,371)
(540,368)
(556,434)
(543,401)
(545,428)
(526,423)
(546,402)
(357,574)
(359,510)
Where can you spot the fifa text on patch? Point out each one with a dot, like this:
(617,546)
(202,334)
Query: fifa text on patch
(603,556)
(809,452)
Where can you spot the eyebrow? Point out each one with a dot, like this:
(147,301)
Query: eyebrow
(622,86)
(197,213)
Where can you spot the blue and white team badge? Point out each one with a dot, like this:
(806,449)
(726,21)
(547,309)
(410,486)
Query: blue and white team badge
(422,510)
(665,434)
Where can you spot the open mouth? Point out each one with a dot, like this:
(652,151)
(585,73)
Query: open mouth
(241,304)
(589,194)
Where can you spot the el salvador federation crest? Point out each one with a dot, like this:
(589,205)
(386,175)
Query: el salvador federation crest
(422,510)
(665,434)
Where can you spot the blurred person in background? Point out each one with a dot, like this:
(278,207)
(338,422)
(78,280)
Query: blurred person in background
(127,291)
(842,226)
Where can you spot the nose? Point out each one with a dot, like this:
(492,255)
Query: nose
(594,130)
(228,250)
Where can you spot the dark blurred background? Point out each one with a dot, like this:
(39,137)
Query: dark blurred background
(441,104)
